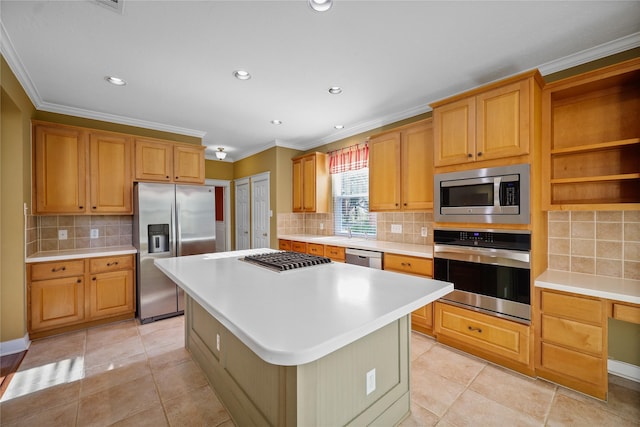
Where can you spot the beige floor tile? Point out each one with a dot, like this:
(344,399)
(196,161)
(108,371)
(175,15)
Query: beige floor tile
(420,344)
(178,379)
(59,416)
(431,390)
(111,334)
(420,417)
(622,401)
(164,338)
(44,376)
(167,356)
(19,408)
(567,411)
(113,352)
(52,349)
(200,407)
(473,409)
(171,322)
(452,365)
(112,374)
(501,386)
(152,417)
(118,403)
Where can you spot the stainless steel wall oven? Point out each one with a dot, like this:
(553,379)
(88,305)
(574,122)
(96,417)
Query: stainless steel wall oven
(490,270)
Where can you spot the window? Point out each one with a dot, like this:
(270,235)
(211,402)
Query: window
(351,203)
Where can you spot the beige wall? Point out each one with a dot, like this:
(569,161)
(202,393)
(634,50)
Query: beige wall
(15,190)
(216,169)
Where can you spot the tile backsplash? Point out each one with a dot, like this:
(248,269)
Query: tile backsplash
(113,230)
(606,243)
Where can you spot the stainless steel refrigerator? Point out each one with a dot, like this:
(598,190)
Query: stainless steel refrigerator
(169,220)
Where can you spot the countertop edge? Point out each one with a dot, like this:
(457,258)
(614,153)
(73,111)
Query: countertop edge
(79,254)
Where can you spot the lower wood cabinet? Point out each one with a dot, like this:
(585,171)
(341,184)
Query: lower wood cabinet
(299,247)
(73,294)
(571,348)
(335,253)
(315,249)
(422,318)
(498,340)
(284,245)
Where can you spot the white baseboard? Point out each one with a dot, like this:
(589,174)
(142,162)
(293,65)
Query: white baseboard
(14,346)
(624,370)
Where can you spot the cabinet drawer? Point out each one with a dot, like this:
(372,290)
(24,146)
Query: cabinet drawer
(52,270)
(315,249)
(299,247)
(501,337)
(284,245)
(569,333)
(570,363)
(336,253)
(628,313)
(572,307)
(408,264)
(114,263)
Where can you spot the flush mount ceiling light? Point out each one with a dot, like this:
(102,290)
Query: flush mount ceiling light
(241,75)
(320,5)
(116,81)
(276,122)
(220,154)
(339,127)
(335,90)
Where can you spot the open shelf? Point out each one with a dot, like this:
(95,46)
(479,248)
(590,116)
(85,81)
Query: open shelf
(596,147)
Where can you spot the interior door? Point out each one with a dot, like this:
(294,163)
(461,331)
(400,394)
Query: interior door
(260,212)
(242,214)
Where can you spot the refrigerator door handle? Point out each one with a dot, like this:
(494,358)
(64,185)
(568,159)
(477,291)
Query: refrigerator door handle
(178,232)
(173,232)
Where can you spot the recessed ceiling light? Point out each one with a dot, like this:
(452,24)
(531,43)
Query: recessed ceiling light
(117,81)
(339,126)
(241,75)
(276,122)
(335,90)
(320,5)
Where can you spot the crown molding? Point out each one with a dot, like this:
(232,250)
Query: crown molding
(17,67)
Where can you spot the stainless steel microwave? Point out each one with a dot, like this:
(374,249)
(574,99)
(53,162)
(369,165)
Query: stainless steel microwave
(487,196)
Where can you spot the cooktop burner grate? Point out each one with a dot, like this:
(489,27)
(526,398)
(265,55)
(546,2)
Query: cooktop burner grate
(282,261)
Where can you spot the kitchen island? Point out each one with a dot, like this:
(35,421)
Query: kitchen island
(322,345)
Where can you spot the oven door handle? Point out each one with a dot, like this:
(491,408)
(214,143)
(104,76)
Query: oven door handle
(502,257)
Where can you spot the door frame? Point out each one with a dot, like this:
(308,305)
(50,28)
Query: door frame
(227,207)
(265,176)
(236,182)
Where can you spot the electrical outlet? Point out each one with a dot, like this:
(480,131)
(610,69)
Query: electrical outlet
(218,342)
(322,226)
(95,233)
(396,228)
(423,232)
(62,234)
(371,381)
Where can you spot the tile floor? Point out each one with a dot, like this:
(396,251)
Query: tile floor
(126,374)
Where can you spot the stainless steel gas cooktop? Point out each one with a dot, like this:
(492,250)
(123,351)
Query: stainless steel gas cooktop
(282,261)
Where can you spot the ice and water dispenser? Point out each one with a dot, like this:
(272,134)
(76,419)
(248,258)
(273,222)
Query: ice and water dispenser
(158,238)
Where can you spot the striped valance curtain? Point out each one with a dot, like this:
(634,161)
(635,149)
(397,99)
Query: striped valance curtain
(349,158)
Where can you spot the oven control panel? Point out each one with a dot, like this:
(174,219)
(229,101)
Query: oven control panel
(476,236)
(487,239)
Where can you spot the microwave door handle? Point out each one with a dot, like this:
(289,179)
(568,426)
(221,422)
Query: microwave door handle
(497,197)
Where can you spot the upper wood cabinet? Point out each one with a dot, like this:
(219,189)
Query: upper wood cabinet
(63,155)
(401,168)
(169,162)
(591,140)
(310,183)
(492,122)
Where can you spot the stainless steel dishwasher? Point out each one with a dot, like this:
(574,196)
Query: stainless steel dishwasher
(371,259)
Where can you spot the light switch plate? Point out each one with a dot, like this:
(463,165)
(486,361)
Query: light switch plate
(423,232)
(396,228)
(371,381)
(95,233)
(62,234)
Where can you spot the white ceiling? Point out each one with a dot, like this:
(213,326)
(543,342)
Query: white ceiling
(392,58)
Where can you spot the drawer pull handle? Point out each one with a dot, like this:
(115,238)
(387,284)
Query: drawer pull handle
(109,264)
(474,329)
(406,264)
(53,270)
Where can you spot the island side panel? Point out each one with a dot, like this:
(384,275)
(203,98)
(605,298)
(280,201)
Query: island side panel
(329,391)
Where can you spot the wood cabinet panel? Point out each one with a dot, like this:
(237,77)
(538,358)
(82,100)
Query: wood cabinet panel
(56,302)
(568,333)
(575,307)
(188,164)
(56,269)
(112,263)
(384,172)
(154,160)
(59,169)
(573,364)
(284,245)
(111,294)
(336,253)
(408,264)
(315,249)
(417,167)
(628,313)
(454,130)
(111,173)
(299,247)
(310,183)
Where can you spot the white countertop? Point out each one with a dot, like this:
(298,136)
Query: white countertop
(80,253)
(423,251)
(298,316)
(612,288)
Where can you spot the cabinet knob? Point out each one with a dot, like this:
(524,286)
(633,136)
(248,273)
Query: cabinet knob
(94,279)
(479,153)
(397,204)
(80,207)
(405,204)
(469,155)
(177,177)
(79,281)
(167,176)
(93,207)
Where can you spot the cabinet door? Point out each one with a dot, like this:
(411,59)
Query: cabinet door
(454,131)
(309,184)
(297,186)
(60,163)
(154,160)
(111,294)
(384,172)
(503,122)
(188,164)
(111,181)
(417,167)
(56,302)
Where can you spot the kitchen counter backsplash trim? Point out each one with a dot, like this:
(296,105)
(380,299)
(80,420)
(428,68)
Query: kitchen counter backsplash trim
(422,251)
